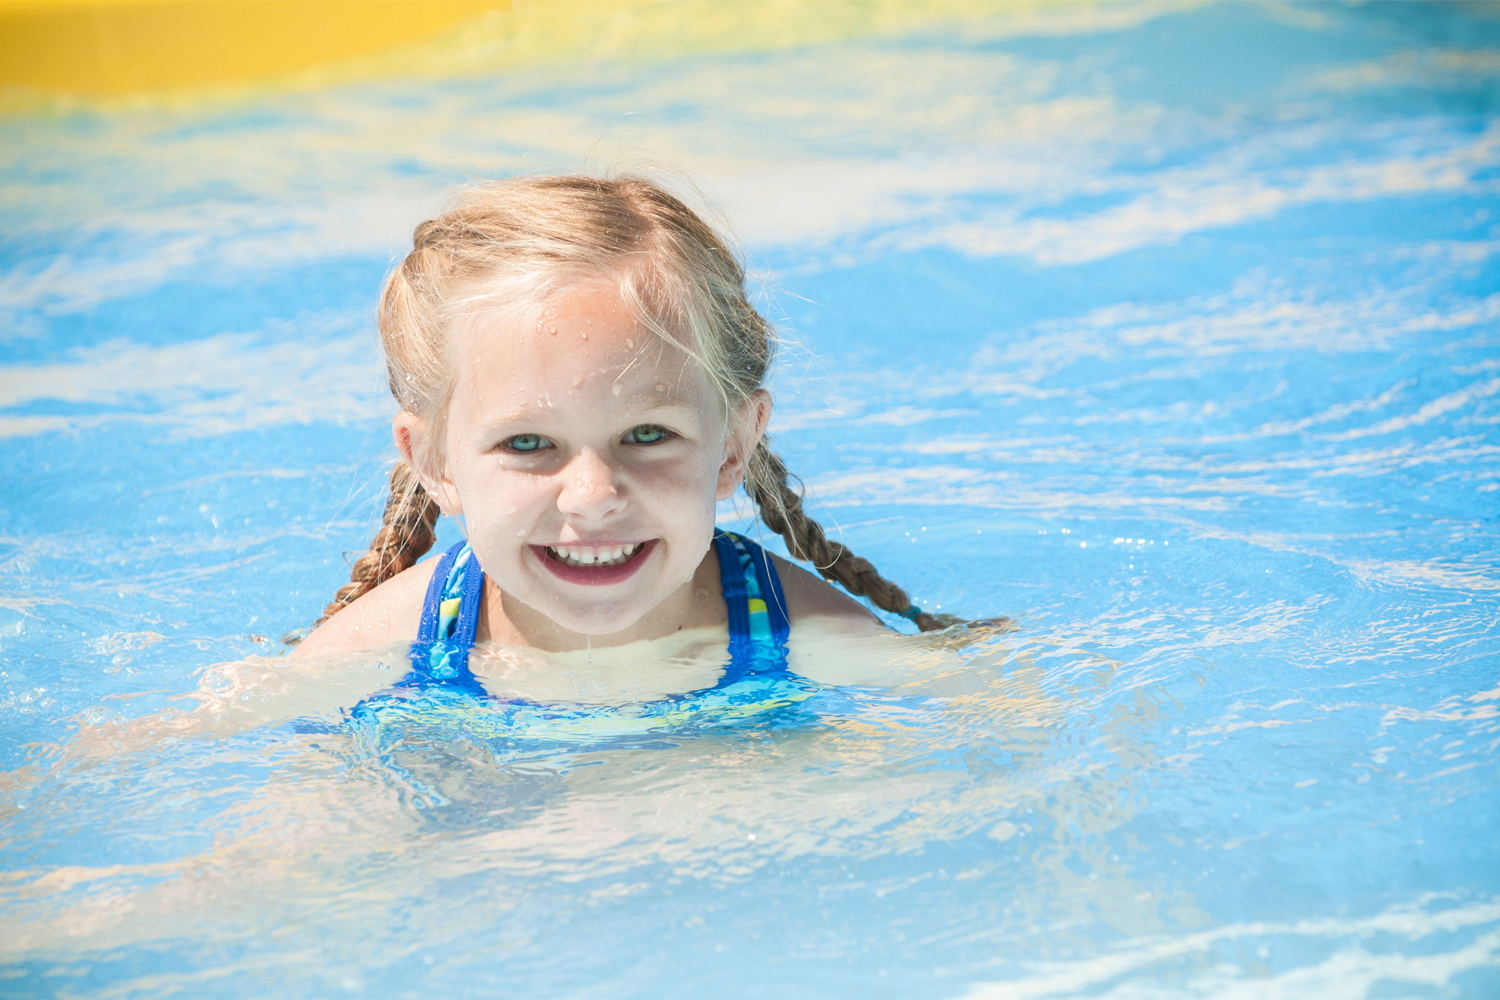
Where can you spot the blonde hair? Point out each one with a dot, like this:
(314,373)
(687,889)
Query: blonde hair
(682,281)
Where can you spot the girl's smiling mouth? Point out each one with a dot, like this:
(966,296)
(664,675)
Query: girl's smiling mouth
(595,565)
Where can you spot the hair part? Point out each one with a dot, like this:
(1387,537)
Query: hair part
(682,281)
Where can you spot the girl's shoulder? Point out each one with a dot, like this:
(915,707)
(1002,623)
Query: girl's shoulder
(817,605)
(388,614)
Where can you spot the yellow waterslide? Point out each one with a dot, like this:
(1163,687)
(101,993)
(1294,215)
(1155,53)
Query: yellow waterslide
(109,50)
(113,47)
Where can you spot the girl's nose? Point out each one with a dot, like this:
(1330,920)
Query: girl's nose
(588,487)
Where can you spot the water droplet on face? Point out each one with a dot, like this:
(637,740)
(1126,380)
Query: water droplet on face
(615,388)
(552,329)
(660,387)
(521,533)
(629,343)
(584,335)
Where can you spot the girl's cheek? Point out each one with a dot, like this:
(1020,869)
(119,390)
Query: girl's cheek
(508,494)
(690,472)
(525,490)
(667,481)
(693,488)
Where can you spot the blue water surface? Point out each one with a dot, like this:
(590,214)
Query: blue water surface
(1170,331)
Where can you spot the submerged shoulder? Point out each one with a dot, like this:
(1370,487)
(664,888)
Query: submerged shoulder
(390,613)
(816,602)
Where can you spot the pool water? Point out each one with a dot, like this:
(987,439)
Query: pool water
(1170,331)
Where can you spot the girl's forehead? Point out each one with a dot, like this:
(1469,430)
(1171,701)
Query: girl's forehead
(517,309)
(580,335)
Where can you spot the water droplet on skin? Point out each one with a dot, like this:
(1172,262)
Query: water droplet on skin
(521,533)
(552,329)
(630,344)
(615,388)
(584,335)
(660,387)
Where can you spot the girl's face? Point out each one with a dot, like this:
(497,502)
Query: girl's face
(584,457)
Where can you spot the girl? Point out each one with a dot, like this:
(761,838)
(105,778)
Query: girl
(581,378)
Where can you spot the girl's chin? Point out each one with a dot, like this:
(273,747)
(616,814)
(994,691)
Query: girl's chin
(595,622)
(598,619)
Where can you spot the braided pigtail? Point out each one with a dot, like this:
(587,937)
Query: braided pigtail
(405,535)
(780,504)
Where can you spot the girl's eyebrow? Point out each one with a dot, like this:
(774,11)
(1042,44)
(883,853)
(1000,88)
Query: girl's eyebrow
(520,415)
(652,403)
(531,412)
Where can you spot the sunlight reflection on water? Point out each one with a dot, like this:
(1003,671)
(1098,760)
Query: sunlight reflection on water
(1169,331)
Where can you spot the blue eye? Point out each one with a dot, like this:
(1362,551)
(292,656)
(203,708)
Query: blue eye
(647,434)
(525,442)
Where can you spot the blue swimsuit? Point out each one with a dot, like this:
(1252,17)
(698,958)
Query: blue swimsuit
(438,719)
(758,625)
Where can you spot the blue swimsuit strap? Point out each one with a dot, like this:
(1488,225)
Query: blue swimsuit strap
(450,619)
(758,625)
(427,628)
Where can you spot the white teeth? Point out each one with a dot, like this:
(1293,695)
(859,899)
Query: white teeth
(592,555)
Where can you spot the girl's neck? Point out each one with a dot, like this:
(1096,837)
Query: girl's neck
(689,660)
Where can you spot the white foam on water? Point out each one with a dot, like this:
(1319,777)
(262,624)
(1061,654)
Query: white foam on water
(1346,974)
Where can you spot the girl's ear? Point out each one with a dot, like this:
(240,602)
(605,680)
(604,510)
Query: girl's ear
(410,432)
(746,427)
